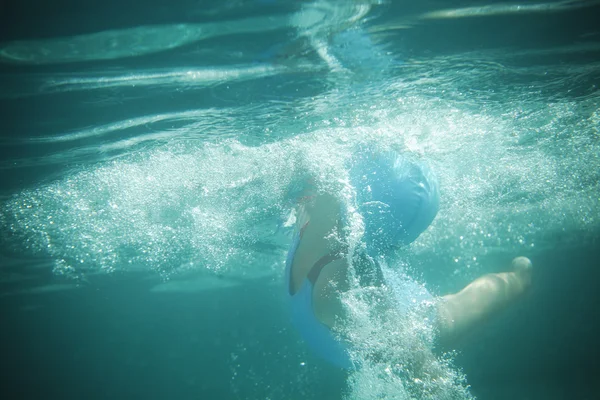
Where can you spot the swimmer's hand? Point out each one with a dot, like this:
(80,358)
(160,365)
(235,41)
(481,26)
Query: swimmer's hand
(523,269)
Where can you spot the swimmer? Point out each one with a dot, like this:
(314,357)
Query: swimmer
(397,199)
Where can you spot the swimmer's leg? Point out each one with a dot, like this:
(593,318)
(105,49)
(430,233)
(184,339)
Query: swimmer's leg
(482,298)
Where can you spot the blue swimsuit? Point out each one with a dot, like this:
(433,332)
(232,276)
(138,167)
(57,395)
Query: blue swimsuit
(317,335)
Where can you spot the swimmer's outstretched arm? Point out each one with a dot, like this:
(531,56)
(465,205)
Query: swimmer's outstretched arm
(481,299)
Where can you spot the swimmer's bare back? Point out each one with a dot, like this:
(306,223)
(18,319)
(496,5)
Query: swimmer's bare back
(318,218)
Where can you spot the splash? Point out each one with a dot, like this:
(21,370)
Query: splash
(170,209)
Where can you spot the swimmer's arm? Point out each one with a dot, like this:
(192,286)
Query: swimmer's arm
(482,298)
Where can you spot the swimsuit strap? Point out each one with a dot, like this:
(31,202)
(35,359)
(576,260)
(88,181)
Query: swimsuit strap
(316,269)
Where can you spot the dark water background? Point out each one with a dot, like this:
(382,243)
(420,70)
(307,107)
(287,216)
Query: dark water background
(112,338)
(117,340)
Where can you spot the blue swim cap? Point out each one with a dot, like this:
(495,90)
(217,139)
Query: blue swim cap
(396,197)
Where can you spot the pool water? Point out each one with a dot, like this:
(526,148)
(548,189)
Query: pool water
(152,155)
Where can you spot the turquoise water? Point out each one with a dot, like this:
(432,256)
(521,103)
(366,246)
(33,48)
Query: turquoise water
(151,157)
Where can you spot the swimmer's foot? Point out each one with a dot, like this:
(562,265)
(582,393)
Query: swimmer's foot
(523,270)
